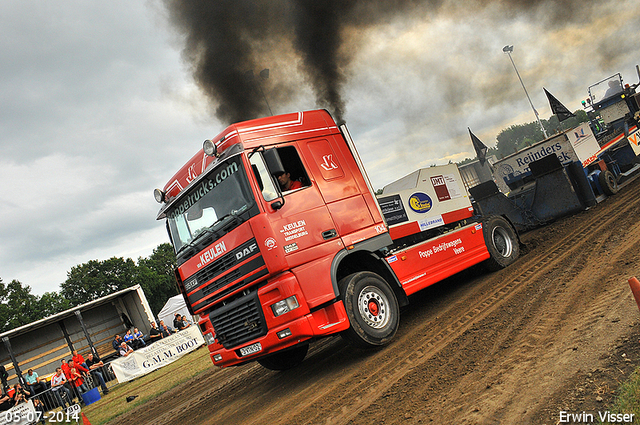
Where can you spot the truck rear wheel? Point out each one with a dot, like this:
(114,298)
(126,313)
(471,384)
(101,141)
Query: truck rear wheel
(502,242)
(608,183)
(286,359)
(372,308)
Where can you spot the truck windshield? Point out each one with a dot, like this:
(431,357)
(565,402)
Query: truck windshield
(606,88)
(214,205)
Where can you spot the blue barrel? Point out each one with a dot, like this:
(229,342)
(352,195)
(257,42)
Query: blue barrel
(91,396)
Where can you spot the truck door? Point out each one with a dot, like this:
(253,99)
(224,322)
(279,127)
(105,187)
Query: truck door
(303,226)
(341,186)
(303,223)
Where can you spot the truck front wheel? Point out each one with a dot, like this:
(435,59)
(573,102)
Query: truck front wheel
(608,183)
(286,359)
(502,242)
(372,309)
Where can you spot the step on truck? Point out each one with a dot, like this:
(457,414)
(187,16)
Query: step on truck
(280,239)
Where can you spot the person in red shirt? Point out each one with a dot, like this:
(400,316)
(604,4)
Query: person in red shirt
(286,183)
(71,377)
(78,359)
(77,380)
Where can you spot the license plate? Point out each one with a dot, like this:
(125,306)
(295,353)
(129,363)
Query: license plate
(250,349)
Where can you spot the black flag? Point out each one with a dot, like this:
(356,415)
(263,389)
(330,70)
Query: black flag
(481,149)
(558,108)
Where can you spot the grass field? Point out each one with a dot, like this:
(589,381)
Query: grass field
(629,399)
(147,387)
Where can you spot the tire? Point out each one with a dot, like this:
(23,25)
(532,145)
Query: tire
(608,183)
(372,309)
(502,242)
(287,359)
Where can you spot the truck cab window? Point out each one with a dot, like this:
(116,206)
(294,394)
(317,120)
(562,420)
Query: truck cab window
(294,177)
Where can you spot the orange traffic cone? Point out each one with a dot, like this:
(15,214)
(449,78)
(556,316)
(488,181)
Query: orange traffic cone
(85,421)
(635,288)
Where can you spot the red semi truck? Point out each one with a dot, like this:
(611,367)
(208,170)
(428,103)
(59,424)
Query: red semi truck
(269,270)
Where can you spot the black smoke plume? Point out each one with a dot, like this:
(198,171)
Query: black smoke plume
(228,42)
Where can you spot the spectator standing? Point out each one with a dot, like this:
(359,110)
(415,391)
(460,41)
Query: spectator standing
(179,323)
(78,381)
(72,377)
(78,359)
(3,377)
(57,384)
(95,365)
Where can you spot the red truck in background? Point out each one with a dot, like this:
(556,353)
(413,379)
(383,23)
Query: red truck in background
(268,271)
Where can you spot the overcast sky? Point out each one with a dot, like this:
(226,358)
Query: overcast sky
(98,108)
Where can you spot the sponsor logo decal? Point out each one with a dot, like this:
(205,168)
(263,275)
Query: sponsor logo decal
(212,253)
(420,202)
(246,252)
(294,230)
(270,243)
(328,163)
(430,223)
(291,247)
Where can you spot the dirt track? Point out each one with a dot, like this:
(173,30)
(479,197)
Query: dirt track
(558,330)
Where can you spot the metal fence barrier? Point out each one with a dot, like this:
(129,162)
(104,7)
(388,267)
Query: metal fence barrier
(50,399)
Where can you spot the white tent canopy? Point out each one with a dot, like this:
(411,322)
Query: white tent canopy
(175,305)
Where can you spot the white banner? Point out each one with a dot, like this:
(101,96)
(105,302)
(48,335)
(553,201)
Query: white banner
(584,143)
(518,163)
(157,355)
(22,414)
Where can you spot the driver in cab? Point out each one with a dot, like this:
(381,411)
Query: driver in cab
(286,183)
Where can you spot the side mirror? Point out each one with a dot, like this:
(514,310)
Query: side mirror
(277,204)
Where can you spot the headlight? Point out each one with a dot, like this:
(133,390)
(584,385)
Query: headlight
(285,306)
(210,148)
(159,195)
(209,338)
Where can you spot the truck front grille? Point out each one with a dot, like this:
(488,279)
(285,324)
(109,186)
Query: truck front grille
(226,275)
(239,321)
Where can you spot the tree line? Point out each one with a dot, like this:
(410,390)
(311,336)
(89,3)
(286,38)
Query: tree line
(90,281)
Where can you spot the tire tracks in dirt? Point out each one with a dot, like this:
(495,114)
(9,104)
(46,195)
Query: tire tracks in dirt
(488,350)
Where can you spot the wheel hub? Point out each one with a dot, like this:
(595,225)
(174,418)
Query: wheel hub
(372,306)
(502,242)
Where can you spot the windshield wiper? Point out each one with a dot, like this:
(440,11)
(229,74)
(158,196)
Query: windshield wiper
(212,230)
(235,214)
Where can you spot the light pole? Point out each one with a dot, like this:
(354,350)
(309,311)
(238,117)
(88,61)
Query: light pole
(508,49)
